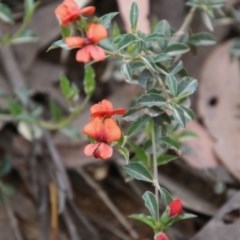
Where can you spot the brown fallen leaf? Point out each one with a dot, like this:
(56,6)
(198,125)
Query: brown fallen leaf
(200,152)
(219,105)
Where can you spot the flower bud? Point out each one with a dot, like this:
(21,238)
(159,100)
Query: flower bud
(161,236)
(175,207)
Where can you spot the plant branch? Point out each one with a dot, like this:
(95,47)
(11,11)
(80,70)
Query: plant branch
(155,164)
(187,21)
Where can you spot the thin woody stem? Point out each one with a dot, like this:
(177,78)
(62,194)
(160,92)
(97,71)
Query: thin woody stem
(187,21)
(155,165)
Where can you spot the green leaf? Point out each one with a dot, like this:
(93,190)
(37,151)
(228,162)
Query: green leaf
(164,28)
(25,37)
(184,216)
(151,204)
(15,107)
(152,100)
(162,57)
(145,79)
(140,153)
(126,70)
(202,39)
(106,44)
(166,158)
(125,41)
(172,83)
(165,196)
(6,14)
(148,220)
(66,31)
(187,86)
(149,62)
(134,12)
(138,171)
(175,49)
(207,21)
(68,89)
(154,37)
(177,68)
(58,44)
(186,136)
(182,114)
(125,153)
(55,110)
(138,125)
(89,82)
(171,143)
(106,19)
(29,8)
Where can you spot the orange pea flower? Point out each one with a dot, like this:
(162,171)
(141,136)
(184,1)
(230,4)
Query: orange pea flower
(105,109)
(68,11)
(104,131)
(89,51)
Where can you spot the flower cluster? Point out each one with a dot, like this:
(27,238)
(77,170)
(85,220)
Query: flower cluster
(69,12)
(103,128)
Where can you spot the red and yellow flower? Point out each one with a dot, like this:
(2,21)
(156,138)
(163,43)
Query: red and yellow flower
(68,11)
(89,51)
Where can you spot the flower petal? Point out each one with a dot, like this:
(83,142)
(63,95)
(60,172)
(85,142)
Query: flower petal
(105,109)
(75,41)
(83,55)
(90,148)
(101,109)
(111,131)
(96,32)
(67,12)
(95,129)
(98,150)
(96,53)
(88,10)
(103,151)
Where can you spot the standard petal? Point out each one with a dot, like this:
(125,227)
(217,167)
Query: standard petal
(111,131)
(75,41)
(101,109)
(96,32)
(105,109)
